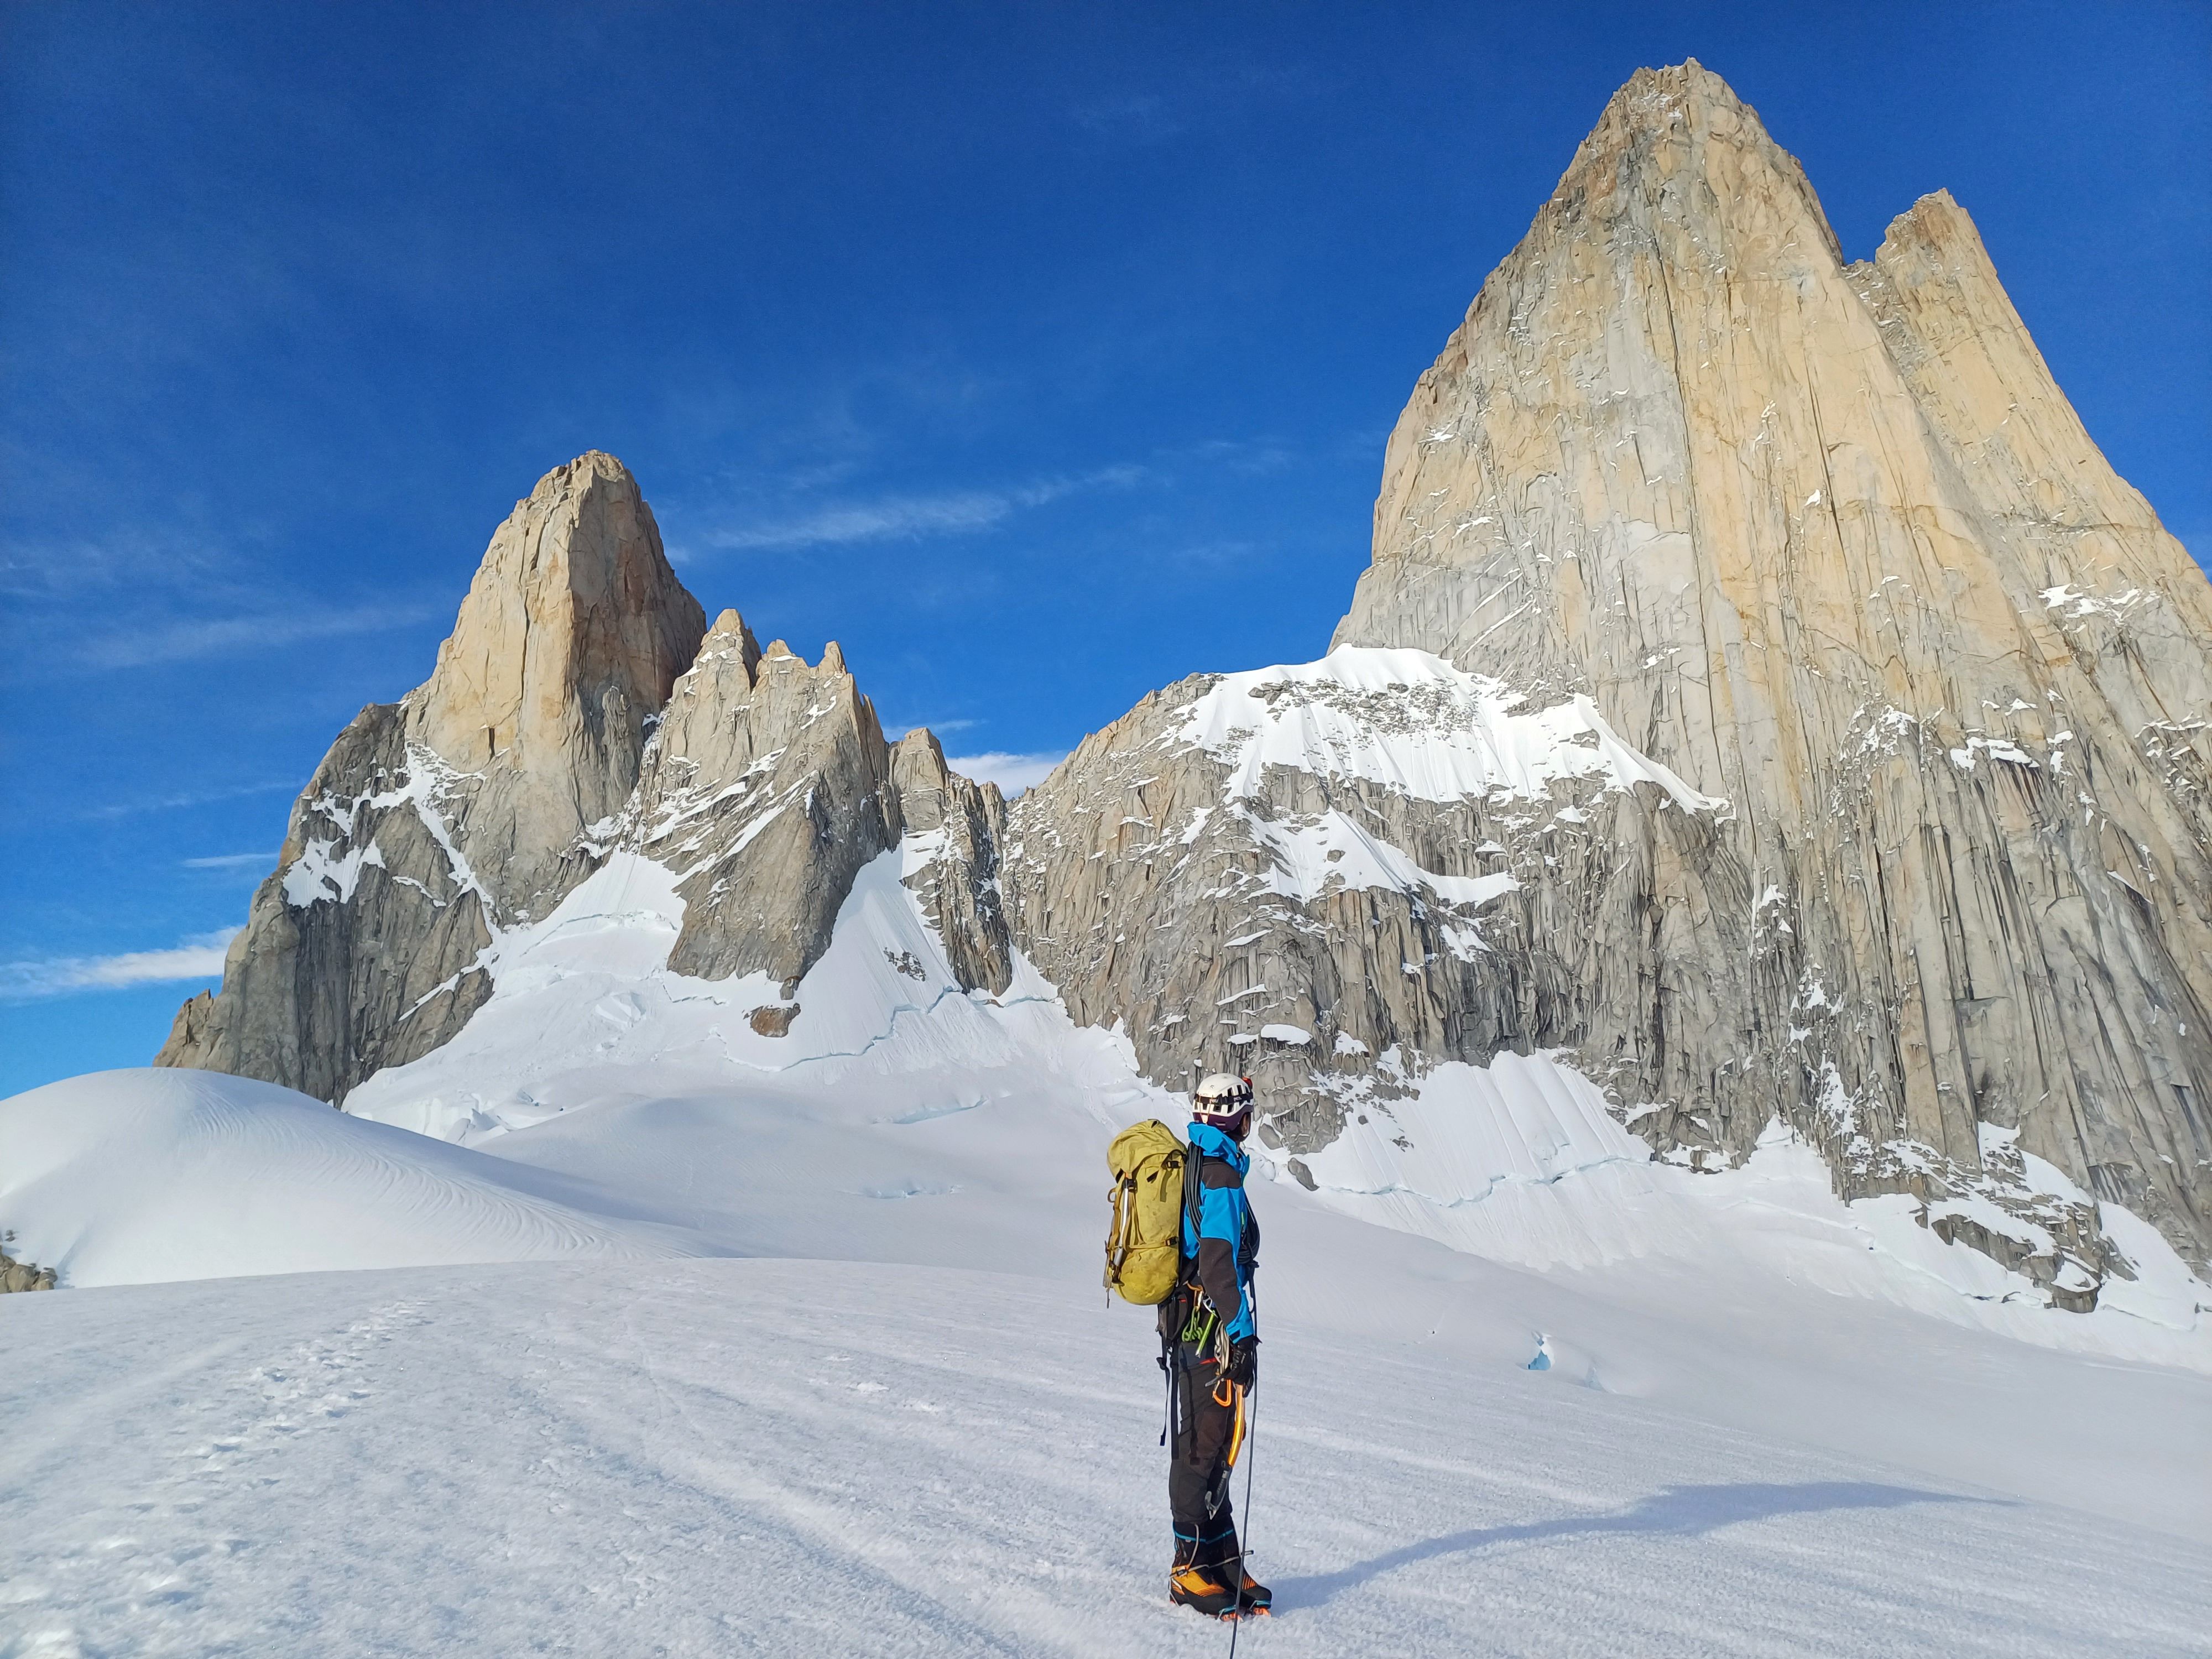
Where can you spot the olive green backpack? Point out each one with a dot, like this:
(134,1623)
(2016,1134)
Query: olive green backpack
(1143,1238)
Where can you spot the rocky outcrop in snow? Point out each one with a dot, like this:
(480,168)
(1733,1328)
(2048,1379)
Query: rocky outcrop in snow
(17,1276)
(769,784)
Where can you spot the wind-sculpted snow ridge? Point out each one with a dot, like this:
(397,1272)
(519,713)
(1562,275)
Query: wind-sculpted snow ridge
(126,1177)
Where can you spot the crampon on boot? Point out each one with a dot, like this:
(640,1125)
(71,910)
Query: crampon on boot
(1253,1597)
(1206,1589)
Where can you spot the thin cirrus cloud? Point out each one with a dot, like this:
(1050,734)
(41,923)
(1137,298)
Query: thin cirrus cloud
(893,731)
(199,956)
(1011,773)
(218,636)
(126,809)
(911,517)
(231,861)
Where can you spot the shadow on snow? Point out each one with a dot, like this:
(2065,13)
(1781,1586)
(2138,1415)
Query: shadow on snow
(1679,1511)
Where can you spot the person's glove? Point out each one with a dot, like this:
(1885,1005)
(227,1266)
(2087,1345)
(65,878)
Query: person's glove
(1245,1361)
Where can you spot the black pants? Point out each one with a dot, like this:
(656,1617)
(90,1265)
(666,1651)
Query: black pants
(1198,1473)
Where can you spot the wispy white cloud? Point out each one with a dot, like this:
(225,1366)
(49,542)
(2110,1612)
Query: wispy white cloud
(894,732)
(231,861)
(197,958)
(1011,773)
(909,518)
(126,557)
(1251,457)
(217,636)
(124,809)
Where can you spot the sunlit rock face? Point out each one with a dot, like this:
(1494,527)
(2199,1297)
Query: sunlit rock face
(575,711)
(1763,695)
(1825,539)
(463,808)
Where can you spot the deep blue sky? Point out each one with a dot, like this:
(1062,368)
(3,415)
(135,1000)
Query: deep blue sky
(1041,355)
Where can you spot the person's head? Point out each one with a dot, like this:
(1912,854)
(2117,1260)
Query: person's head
(1225,1101)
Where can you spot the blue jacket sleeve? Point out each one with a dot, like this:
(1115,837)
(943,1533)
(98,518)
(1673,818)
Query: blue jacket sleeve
(1223,1273)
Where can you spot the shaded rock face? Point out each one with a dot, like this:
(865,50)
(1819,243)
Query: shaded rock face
(1826,540)
(16,1276)
(576,709)
(766,787)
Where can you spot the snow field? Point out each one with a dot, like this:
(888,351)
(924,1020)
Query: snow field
(780,1457)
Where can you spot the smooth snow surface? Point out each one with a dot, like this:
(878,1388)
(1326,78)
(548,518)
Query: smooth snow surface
(1520,1161)
(1412,722)
(132,1177)
(803,1458)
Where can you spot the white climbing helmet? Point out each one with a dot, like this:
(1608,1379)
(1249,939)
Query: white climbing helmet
(1221,1098)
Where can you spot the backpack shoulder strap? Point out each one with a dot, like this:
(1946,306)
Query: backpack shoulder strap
(1194,1181)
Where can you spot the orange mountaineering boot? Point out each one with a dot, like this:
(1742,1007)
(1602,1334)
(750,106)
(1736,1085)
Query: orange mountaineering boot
(1207,1588)
(1252,1595)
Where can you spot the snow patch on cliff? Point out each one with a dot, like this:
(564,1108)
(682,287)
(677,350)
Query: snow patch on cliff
(1411,722)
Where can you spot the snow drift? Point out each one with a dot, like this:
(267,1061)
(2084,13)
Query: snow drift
(133,1176)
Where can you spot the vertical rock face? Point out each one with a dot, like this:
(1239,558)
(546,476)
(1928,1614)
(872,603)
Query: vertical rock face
(954,829)
(766,787)
(1826,540)
(571,637)
(575,710)
(462,808)
(1762,690)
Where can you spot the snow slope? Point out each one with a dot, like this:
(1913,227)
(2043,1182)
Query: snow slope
(133,1176)
(804,1143)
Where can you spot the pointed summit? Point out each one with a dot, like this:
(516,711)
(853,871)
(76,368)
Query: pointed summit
(463,809)
(573,633)
(1678,160)
(1829,542)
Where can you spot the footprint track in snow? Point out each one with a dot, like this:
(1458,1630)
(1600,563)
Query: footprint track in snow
(307,1389)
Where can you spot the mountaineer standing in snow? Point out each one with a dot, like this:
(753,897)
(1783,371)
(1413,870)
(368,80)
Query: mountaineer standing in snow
(1210,1342)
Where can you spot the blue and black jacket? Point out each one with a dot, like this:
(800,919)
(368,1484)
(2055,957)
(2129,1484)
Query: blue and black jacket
(1221,1238)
